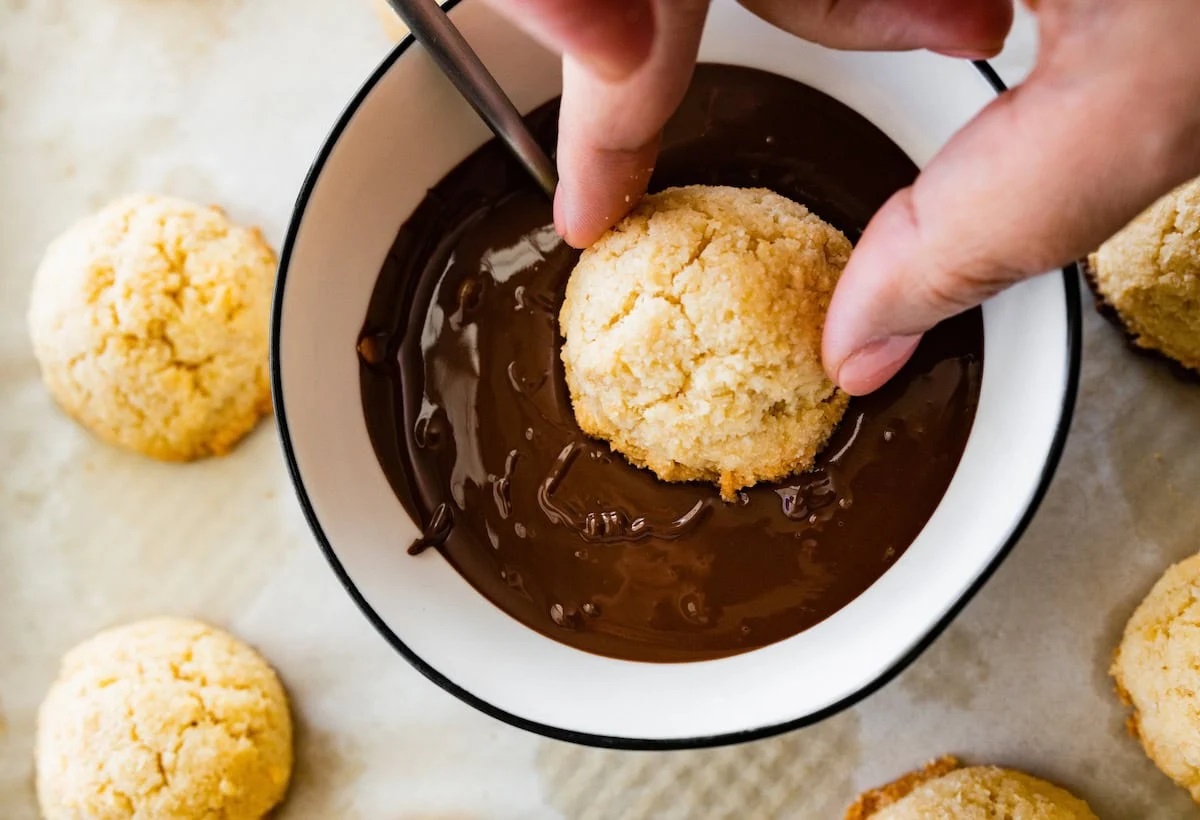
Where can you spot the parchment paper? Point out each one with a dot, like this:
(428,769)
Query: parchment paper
(227,101)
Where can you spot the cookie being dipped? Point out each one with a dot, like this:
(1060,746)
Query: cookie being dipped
(150,319)
(1157,672)
(693,336)
(944,790)
(166,718)
(1147,277)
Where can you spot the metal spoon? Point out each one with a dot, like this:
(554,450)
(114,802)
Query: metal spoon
(446,45)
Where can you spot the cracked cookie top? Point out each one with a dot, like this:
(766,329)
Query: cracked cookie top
(165,718)
(1157,672)
(150,322)
(943,791)
(693,336)
(1149,274)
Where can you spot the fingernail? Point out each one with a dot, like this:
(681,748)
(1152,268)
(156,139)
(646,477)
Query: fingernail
(870,367)
(560,212)
(565,223)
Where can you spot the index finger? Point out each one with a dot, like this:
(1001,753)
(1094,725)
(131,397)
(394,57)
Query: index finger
(609,129)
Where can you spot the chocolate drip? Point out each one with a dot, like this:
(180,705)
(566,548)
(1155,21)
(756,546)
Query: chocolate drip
(609,525)
(438,530)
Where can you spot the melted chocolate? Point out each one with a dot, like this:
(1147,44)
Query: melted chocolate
(465,401)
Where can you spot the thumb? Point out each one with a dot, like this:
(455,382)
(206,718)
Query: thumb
(1042,176)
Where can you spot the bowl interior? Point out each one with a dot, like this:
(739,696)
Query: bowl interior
(404,132)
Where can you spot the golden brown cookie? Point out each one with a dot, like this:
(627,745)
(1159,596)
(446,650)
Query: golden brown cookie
(943,791)
(869,802)
(1148,277)
(693,336)
(167,719)
(150,322)
(1157,672)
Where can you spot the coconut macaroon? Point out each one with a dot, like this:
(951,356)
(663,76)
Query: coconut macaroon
(1157,672)
(693,336)
(944,791)
(167,718)
(1149,276)
(150,322)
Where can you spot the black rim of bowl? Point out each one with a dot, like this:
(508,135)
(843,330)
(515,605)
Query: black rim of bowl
(1074,339)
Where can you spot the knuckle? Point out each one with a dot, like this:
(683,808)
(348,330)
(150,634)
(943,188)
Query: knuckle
(954,288)
(953,279)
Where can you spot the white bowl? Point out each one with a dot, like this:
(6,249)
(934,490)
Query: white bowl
(404,130)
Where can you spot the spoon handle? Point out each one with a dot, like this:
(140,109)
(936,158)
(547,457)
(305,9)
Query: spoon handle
(459,62)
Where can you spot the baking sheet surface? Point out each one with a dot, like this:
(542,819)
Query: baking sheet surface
(227,101)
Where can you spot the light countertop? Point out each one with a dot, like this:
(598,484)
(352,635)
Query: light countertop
(227,101)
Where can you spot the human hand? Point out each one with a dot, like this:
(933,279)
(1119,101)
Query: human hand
(1108,121)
